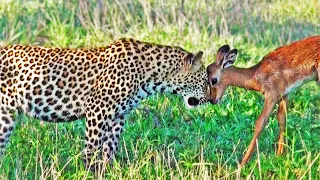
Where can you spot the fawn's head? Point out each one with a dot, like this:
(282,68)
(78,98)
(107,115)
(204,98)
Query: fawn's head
(224,59)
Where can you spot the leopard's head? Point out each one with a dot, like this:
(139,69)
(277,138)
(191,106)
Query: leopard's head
(190,79)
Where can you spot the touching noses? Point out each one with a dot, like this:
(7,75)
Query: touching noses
(212,75)
(212,91)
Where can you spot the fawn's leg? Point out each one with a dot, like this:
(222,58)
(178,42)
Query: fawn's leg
(269,104)
(282,112)
(318,69)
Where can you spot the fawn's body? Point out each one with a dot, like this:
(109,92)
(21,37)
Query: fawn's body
(278,74)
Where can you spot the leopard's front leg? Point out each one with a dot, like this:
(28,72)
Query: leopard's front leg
(104,124)
(7,124)
(94,132)
(111,138)
(102,142)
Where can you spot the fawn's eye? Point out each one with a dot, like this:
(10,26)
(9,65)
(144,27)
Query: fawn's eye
(213,81)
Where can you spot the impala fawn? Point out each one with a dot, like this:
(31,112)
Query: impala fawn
(278,74)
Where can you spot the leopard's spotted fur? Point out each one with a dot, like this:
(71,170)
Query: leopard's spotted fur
(101,84)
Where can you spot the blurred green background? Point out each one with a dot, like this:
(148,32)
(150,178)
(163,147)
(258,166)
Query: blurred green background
(163,139)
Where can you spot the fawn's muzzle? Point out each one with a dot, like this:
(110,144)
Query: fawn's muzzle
(213,102)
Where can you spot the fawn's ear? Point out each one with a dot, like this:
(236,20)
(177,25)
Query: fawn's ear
(194,61)
(229,58)
(221,53)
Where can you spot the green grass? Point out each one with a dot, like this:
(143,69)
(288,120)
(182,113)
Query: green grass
(168,141)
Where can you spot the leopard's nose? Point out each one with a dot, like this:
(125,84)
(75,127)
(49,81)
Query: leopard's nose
(193,101)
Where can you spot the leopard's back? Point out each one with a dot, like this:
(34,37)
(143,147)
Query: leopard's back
(48,83)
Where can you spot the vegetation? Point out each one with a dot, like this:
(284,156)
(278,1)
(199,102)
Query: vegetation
(162,138)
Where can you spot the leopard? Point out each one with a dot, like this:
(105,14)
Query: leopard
(100,84)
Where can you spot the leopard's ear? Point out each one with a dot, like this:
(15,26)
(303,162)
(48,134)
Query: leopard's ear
(194,61)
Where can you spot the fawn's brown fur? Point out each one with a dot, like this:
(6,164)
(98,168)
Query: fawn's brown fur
(278,74)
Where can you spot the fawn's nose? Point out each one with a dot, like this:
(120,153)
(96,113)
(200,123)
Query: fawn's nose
(213,102)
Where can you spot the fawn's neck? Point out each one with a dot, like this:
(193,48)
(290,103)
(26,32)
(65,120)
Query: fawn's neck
(241,77)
